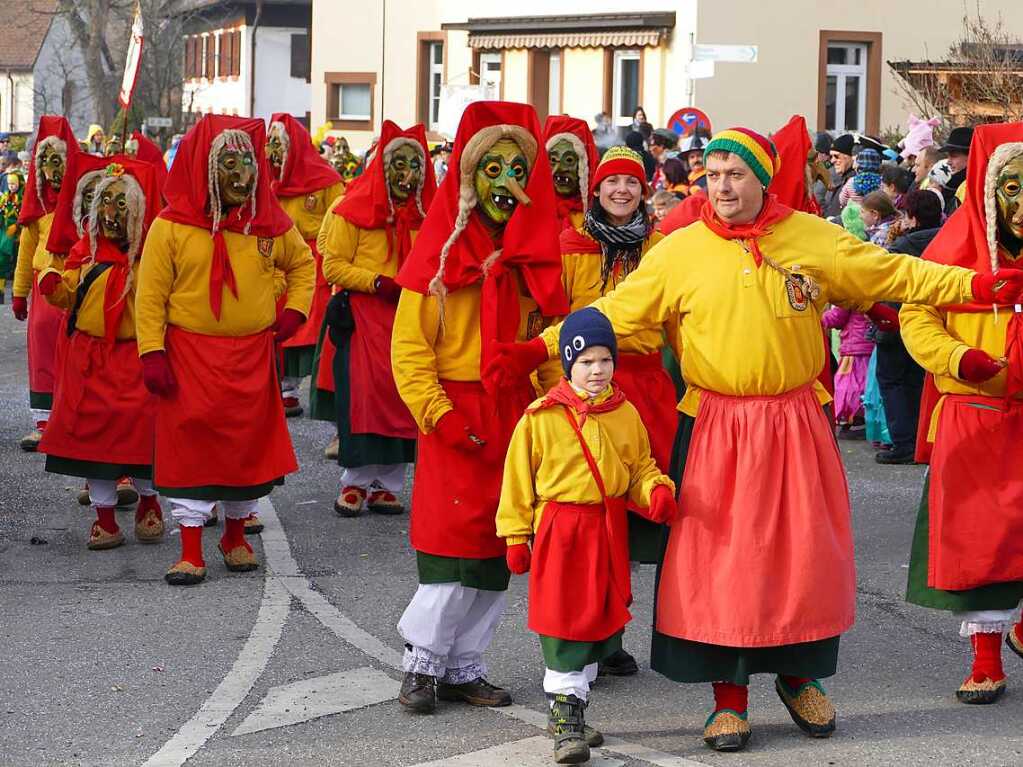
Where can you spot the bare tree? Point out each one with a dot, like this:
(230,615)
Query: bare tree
(980,80)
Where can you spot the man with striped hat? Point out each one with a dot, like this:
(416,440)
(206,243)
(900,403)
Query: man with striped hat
(758,575)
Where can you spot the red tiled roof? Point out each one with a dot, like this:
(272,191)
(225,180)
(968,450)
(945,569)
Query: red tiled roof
(22,30)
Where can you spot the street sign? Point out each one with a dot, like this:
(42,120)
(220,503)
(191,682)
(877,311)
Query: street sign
(742,54)
(688,120)
(700,69)
(159,122)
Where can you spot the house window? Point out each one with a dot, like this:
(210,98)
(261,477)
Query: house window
(849,82)
(350,99)
(554,84)
(845,100)
(490,71)
(625,85)
(300,61)
(436,70)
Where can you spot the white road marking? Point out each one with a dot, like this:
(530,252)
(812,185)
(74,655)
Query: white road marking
(321,696)
(531,752)
(250,663)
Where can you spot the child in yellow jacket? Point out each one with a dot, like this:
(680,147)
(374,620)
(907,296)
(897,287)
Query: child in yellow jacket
(577,456)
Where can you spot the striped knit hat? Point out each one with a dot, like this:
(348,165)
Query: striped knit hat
(756,151)
(620,160)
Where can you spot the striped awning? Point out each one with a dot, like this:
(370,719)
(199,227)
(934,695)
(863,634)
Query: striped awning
(633,38)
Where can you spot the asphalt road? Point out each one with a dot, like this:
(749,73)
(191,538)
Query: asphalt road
(102,664)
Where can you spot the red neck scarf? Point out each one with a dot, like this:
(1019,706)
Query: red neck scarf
(399,235)
(770,214)
(114,297)
(564,394)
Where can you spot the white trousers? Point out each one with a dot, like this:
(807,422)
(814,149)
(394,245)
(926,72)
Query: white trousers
(448,627)
(189,512)
(390,477)
(575,683)
(103,492)
(985,621)
(39,415)
(289,386)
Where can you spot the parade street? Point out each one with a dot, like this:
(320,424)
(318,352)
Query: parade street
(298,663)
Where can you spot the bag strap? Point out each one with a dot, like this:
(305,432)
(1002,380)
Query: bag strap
(590,460)
(83,288)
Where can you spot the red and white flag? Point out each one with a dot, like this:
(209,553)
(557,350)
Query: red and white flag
(131,64)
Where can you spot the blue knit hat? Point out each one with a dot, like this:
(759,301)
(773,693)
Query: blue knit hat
(582,329)
(868,160)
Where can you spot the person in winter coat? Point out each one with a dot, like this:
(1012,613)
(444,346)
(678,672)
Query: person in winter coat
(851,379)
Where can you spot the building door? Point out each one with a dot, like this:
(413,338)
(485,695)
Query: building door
(490,71)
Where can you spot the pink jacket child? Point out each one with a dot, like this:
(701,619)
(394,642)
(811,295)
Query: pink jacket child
(854,350)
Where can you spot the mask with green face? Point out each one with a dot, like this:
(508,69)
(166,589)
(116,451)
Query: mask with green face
(277,148)
(404,172)
(1009,195)
(112,212)
(88,191)
(565,168)
(52,165)
(503,161)
(236,176)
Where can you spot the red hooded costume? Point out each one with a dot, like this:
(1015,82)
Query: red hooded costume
(235,445)
(974,479)
(102,420)
(304,175)
(578,133)
(456,491)
(150,153)
(44,320)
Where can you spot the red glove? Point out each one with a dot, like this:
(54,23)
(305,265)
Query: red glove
(663,507)
(48,283)
(884,317)
(287,325)
(156,373)
(514,362)
(19,305)
(518,558)
(387,289)
(977,366)
(1006,287)
(453,431)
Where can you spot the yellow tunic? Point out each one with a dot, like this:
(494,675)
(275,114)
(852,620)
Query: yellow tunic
(422,355)
(32,255)
(937,340)
(174,282)
(307,210)
(737,331)
(545,463)
(90,319)
(353,258)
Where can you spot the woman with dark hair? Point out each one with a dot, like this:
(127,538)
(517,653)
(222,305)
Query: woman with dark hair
(638,118)
(900,379)
(676,180)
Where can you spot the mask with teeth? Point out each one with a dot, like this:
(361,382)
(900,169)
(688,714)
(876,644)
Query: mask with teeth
(236,176)
(404,172)
(565,168)
(277,147)
(503,161)
(113,146)
(112,211)
(52,165)
(1009,196)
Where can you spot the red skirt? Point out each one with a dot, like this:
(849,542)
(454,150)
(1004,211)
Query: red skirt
(307,333)
(224,425)
(102,412)
(455,492)
(376,407)
(976,494)
(44,328)
(647,385)
(579,585)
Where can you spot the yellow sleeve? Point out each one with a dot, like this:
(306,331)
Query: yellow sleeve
(23,275)
(929,342)
(414,362)
(280,283)
(295,262)
(156,278)
(867,272)
(338,243)
(644,474)
(518,491)
(64,296)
